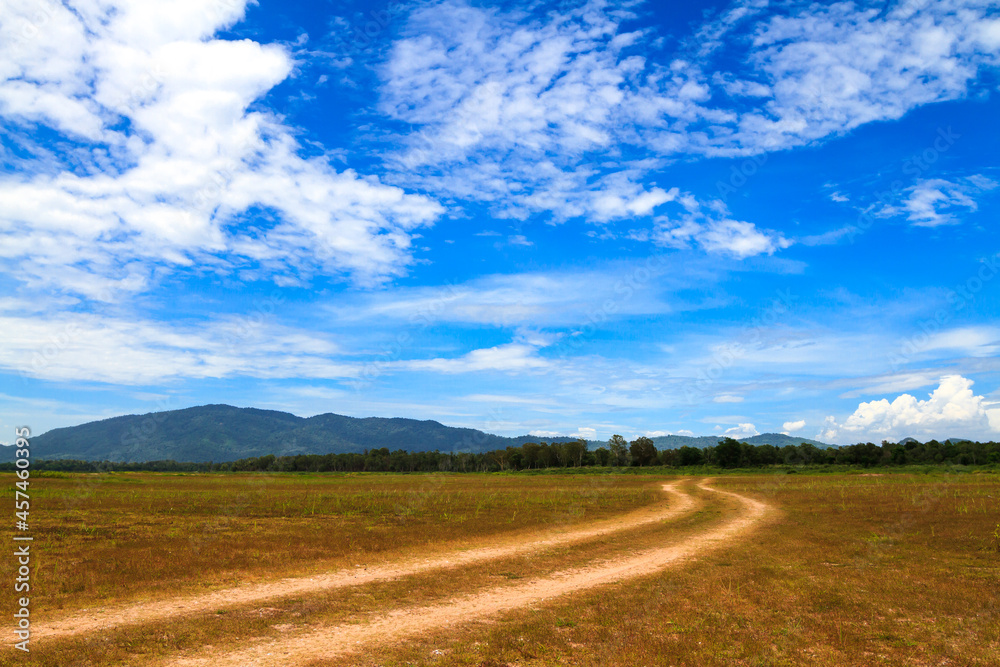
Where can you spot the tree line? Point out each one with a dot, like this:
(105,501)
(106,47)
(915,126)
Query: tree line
(617,453)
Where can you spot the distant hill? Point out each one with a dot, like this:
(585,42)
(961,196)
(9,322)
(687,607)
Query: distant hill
(780,440)
(225,433)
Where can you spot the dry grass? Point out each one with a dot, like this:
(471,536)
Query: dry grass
(105,539)
(890,570)
(859,570)
(236,627)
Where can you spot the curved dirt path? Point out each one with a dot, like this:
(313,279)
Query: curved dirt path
(103,618)
(343,639)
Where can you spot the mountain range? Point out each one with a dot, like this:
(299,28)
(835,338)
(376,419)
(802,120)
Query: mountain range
(226,433)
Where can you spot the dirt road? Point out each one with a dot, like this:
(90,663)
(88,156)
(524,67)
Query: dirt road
(95,620)
(400,623)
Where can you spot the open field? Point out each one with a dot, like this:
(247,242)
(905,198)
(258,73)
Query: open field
(142,536)
(490,570)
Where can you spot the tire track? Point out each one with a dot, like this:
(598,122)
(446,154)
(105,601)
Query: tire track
(101,619)
(344,639)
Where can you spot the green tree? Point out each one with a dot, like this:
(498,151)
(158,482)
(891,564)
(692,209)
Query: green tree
(618,447)
(602,456)
(728,453)
(690,456)
(531,452)
(643,451)
(574,451)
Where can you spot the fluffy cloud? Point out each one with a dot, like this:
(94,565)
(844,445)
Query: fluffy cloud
(507,105)
(713,229)
(742,431)
(793,426)
(166,159)
(826,69)
(536,112)
(933,202)
(951,410)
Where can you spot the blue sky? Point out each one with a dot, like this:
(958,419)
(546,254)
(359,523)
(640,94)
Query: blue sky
(558,218)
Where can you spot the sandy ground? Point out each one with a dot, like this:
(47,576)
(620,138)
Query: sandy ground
(334,641)
(101,618)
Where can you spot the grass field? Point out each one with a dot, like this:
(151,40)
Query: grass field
(860,570)
(850,569)
(114,537)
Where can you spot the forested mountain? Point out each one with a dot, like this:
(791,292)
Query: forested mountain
(226,433)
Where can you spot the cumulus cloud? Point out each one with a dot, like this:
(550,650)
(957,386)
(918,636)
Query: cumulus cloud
(741,431)
(711,227)
(951,410)
(166,160)
(793,426)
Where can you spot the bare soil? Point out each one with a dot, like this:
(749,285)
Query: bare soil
(98,619)
(330,642)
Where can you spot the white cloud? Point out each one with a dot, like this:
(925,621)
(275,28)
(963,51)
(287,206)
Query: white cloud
(508,106)
(546,434)
(479,78)
(794,426)
(575,298)
(934,202)
(895,382)
(512,357)
(711,227)
(193,160)
(741,431)
(585,432)
(727,398)
(831,68)
(980,341)
(951,410)
(516,106)
(137,352)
